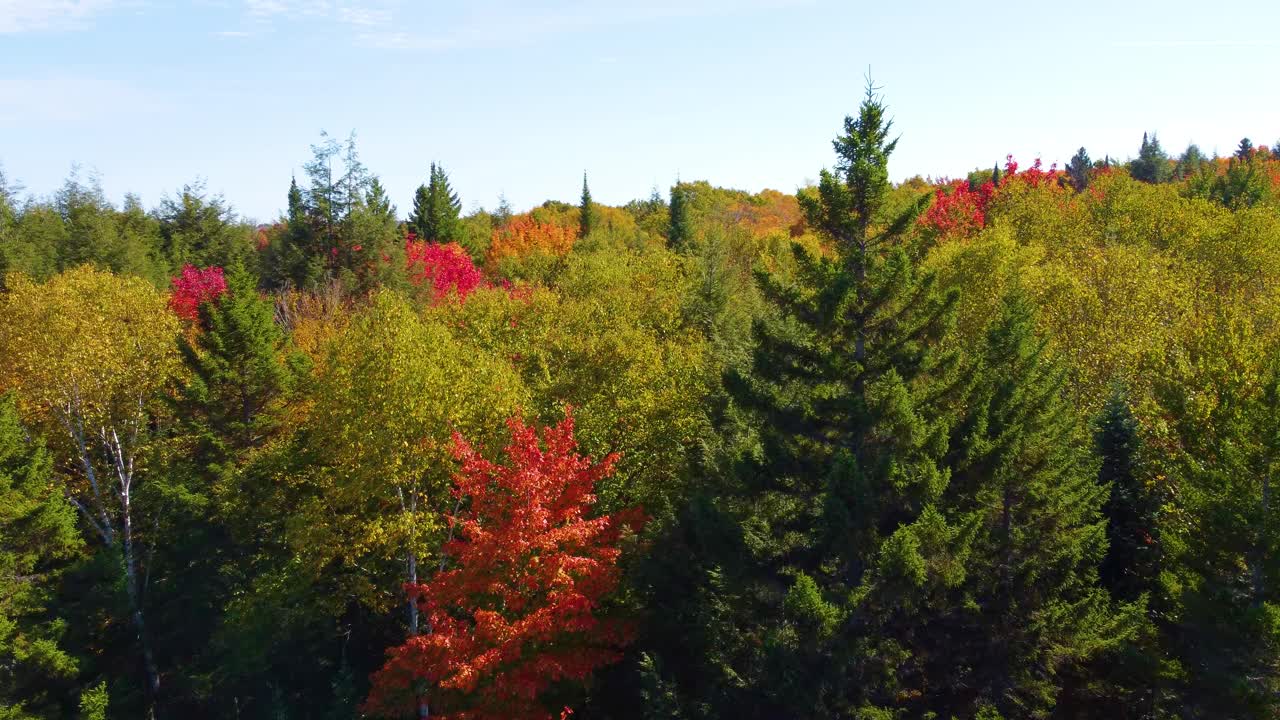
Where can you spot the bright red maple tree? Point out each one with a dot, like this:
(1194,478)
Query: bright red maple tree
(446,269)
(193,287)
(518,609)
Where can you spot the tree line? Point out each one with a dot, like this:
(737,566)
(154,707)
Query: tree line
(992,447)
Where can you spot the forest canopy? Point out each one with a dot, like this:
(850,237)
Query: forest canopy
(997,446)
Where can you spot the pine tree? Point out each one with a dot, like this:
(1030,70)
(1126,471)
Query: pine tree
(376,257)
(1244,151)
(1131,565)
(846,396)
(995,175)
(240,371)
(1125,681)
(436,209)
(1078,169)
(295,257)
(1152,164)
(586,211)
(1190,164)
(1030,604)
(418,217)
(680,229)
(38,538)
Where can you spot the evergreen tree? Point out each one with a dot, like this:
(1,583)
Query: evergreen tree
(680,229)
(586,211)
(1191,163)
(1127,680)
(1131,564)
(1078,170)
(240,371)
(323,200)
(995,175)
(1244,151)
(201,230)
(1028,604)
(846,397)
(22,249)
(1152,164)
(38,536)
(295,257)
(436,209)
(1243,185)
(230,408)
(419,217)
(376,255)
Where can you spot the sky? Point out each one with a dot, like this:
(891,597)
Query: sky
(520,97)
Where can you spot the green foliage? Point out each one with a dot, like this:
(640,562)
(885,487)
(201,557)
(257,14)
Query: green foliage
(1078,170)
(1152,164)
(587,215)
(679,231)
(200,230)
(94,702)
(38,536)
(435,209)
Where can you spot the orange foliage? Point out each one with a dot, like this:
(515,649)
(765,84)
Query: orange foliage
(524,236)
(519,609)
(768,212)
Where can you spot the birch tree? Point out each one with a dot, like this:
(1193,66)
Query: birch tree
(88,354)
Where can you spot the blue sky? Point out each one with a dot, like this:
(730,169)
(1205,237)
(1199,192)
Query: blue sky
(520,97)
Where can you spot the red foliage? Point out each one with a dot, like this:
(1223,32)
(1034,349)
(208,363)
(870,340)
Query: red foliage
(962,212)
(1035,177)
(517,611)
(446,269)
(959,211)
(194,287)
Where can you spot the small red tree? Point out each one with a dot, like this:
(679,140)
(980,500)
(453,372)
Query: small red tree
(518,609)
(958,210)
(193,287)
(444,269)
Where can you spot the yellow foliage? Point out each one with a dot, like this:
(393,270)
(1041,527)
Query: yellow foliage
(86,344)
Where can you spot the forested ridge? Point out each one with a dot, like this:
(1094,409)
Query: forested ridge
(992,447)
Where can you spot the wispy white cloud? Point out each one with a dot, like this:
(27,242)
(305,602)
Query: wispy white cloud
(231,33)
(17,16)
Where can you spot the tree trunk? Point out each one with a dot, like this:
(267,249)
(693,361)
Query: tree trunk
(1259,584)
(135,604)
(413,601)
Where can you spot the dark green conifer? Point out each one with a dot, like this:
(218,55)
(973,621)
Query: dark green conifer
(1030,605)
(1078,170)
(586,211)
(1152,164)
(679,230)
(436,209)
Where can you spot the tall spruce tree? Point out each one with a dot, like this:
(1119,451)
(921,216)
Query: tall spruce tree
(1152,164)
(1029,604)
(680,228)
(846,425)
(436,209)
(586,210)
(1078,170)
(295,258)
